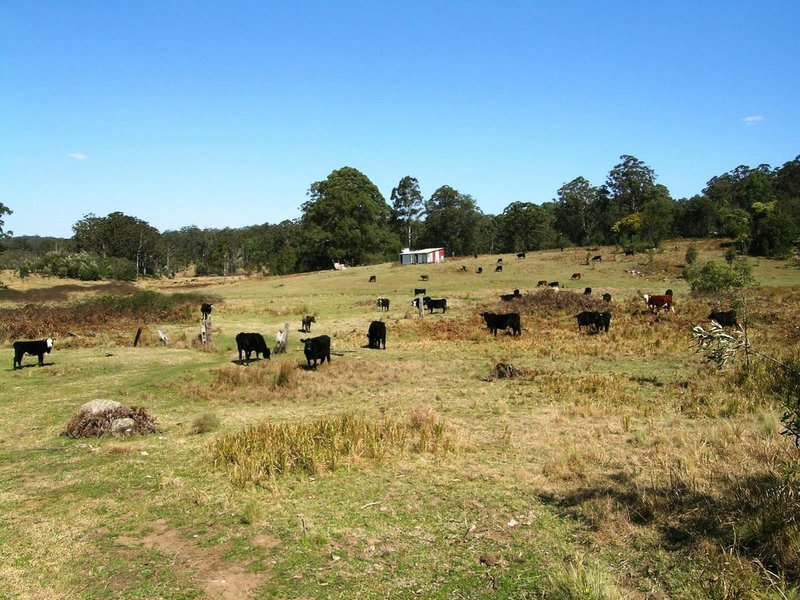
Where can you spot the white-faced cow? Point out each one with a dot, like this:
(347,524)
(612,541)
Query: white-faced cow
(383,303)
(377,335)
(656,303)
(250,343)
(507,321)
(205,309)
(36,348)
(317,349)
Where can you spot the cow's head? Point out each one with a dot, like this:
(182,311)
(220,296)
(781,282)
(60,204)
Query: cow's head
(49,343)
(646,298)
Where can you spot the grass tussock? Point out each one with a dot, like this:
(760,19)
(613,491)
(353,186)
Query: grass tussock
(87,424)
(580,581)
(267,451)
(101,313)
(205,423)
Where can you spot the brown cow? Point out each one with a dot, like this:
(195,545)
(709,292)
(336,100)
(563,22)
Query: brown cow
(656,303)
(541,283)
(575,276)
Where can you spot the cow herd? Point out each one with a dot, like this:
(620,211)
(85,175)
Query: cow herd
(318,349)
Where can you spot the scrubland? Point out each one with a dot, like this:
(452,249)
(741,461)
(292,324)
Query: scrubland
(614,465)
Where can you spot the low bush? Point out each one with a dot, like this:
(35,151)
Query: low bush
(88,424)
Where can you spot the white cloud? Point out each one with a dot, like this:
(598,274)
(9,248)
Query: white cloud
(77,156)
(753,120)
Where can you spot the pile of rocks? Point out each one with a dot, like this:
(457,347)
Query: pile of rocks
(109,417)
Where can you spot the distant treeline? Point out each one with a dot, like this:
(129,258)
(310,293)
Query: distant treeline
(347,220)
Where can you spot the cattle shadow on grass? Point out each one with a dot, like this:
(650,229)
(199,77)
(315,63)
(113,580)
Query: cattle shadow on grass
(244,363)
(34,364)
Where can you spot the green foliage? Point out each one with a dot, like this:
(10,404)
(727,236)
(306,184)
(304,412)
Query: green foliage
(454,221)
(714,277)
(4,210)
(345,219)
(572,208)
(525,226)
(80,265)
(627,227)
(407,203)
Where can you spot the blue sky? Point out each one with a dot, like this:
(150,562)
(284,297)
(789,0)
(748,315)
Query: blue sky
(222,114)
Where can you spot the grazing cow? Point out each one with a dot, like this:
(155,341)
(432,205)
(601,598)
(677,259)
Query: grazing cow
(438,303)
(317,349)
(495,322)
(498,268)
(629,252)
(521,254)
(553,284)
(575,276)
(606,297)
(587,291)
(205,309)
(587,318)
(656,303)
(668,293)
(597,258)
(603,321)
(419,291)
(510,297)
(423,278)
(541,283)
(36,348)
(383,303)
(306,325)
(250,343)
(479,270)
(377,335)
(726,318)
(373,279)
(463,268)
(500,261)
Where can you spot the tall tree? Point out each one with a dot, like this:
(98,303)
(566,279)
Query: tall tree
(657,216)
(525,226)
(454,221)
(118,235)
(4,210)
(572,210)
(629,184)
(407,204)
(345,220)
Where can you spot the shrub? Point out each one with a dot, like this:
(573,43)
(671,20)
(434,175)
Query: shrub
(714,277)
(691,254)
(205,423)
(88,424)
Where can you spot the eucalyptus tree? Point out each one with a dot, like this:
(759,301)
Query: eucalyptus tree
(4,210)
(407,204)
(572,210)
(454,221)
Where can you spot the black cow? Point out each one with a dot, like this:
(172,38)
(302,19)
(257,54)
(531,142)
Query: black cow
(510,297)
(440,303)
(553,284)
(587,318)
(498,269)
(587,291)
(603,321)
(629,252)
(205,309)
(317,349)
(383,303)
(372,279)
(668,293)
(479,270)
(521,254)
(423,278)
(36,348)
(726,318)
(606,297)
(597,258)
(495,322)
(377,335)
(250,343)
(500,261)
(419,291)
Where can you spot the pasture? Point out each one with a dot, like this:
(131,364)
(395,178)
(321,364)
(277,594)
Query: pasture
(614,465)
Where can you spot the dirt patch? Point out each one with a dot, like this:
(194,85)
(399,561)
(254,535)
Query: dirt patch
(219,579)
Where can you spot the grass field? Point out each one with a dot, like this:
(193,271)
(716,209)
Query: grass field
(616,465)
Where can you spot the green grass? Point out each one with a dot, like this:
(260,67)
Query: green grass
(590,471)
